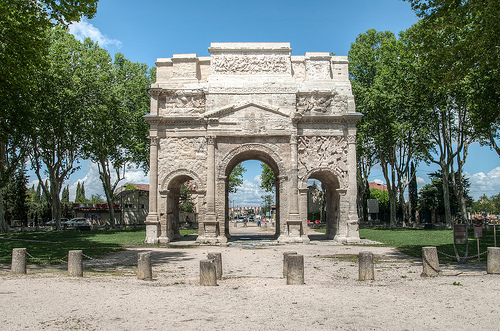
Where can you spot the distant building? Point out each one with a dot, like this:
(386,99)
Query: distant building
(134,200)
(377,186)
(98,213)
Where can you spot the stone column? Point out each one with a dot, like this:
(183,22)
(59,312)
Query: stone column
(294,181)
(493,264)
(18,264)
(75,263)
(210,216)
(144,268)
(152,222)
(295,269)
(366,270)
(352,223)
(208,274)
(430,262)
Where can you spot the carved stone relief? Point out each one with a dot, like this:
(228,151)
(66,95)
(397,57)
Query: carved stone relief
(321,103)
(182,101)
(324,152)
(250,64)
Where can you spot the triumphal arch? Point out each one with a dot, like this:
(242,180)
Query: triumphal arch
(252,101)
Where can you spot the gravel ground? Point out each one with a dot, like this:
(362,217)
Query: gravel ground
(252,295)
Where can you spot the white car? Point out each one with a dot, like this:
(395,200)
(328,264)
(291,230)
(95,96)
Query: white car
(79,221)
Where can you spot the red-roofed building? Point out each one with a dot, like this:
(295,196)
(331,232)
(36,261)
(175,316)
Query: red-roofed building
(377,186)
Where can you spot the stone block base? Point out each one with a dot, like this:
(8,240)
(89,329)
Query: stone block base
(152,232)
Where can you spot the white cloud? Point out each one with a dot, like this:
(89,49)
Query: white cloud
(93,183)
(378,181)
(420,181)
(481,183)
(249,194)
(84,29)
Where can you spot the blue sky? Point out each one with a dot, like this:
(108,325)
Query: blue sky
(149,29)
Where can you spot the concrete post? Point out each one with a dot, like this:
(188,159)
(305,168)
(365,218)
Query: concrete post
(430,262)
(285,261)
(75,263)
(18,265)
(366,271)
(493,264)
(217,258)
(208,274)
(144,268)
(295,270)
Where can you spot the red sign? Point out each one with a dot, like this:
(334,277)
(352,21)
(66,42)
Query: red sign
(478,231)
(460,233)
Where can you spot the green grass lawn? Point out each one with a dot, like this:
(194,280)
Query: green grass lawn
(53,245)
(411,241)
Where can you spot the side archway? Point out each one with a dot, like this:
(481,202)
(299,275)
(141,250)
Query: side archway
(331,184)
(170,190)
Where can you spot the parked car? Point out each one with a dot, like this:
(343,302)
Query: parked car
(53,222)
(79,221)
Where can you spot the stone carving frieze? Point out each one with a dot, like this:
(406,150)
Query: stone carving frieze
(183,153)
(328,152)
(250,64)
(182,101)
(321,103)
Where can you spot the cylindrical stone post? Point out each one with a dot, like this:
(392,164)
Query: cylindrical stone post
(295,269)
(285,261)
(75,263)
(208,273)
(493,264)
(430,262)
(217,258)
(366,271)
(18,265)
(144,268)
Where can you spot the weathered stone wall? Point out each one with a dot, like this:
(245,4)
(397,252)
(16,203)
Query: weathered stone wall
(252,101)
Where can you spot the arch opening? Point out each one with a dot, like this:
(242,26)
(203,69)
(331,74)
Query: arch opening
(323,201)
(249,219)
(180,210)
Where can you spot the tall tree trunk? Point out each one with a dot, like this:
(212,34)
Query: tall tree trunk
(4,227)
(446,197)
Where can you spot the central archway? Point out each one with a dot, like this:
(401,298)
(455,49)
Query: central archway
(259,152)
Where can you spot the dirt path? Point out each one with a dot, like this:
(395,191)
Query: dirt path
(252,294)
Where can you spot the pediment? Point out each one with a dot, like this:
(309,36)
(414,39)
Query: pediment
(242,107)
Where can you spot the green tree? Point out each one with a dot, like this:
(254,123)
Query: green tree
(461,40)
(185,198)
(80,193)
(24,41)
(119,136)
(268,179)
(383,199)
(60,121)
(267,203)
(383,75)
(65,194)
(236,178)
(16,198)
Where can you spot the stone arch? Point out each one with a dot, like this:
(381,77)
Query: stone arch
(339,179)
(332,182)
(252,151)
(259,152)
(179,175)
(169,202)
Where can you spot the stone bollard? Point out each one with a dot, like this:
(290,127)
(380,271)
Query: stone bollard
(208,273)
(18,265)
(144,268)
(75,263)
(217,258)
(295,269)
(430,262)
(366,271)
(493,264)
(285,261)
